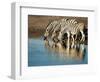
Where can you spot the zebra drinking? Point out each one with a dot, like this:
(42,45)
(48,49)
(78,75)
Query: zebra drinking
(64,30)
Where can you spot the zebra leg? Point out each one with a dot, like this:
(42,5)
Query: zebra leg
(68,35)
(68,44)
(72,43)
(83,36)
(72,36)
(76,37)
(68,48)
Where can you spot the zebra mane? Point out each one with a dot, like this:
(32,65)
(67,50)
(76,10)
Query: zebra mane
(49,24)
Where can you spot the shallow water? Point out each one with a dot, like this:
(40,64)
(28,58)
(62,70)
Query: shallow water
(40,55)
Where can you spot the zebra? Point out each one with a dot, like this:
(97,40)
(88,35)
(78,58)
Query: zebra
(71,27)
(66,27)
(76,28)
(57,29)
(52,29)
(49,29)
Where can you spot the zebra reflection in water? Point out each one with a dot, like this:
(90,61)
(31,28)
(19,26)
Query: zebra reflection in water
(77,52)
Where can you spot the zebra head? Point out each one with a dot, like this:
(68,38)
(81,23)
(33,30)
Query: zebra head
(50,28)
(46,34)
